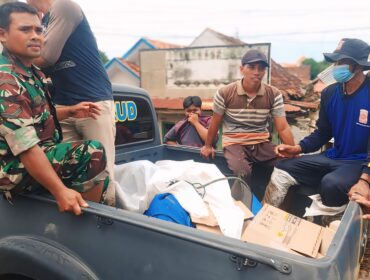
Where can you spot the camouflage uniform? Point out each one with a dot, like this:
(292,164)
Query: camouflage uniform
(27,118)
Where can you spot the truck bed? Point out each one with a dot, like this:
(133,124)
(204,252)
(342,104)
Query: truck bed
(38,242)
(110,243)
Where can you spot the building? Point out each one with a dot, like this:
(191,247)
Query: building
(168,101)
(126,69)
(170,73)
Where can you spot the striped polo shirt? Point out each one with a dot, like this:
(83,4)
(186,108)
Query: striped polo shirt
(245,120)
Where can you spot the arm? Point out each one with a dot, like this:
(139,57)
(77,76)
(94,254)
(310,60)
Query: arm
(207,149)
(315,140)
(361,187)
(284,131)
(65,17)
(323,133)
(170,137)
(39,167)
(80,110)
(202,131)
(22,139)
(278,114)
(219,108)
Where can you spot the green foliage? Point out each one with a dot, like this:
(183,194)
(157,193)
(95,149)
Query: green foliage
(103,57)
(316,67)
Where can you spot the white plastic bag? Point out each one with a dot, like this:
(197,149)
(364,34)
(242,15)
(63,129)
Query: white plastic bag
(217,195)
(143,180)
(133,190)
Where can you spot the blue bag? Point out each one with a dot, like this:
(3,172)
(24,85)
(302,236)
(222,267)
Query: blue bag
(256,205)
(166,207)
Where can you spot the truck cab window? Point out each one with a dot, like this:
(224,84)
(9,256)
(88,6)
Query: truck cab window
(134,121)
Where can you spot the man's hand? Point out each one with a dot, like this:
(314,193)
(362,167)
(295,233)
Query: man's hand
(361,189)
(287,151)
(362,201)
(193,118)
(70,200)
(85,110)
(206,151)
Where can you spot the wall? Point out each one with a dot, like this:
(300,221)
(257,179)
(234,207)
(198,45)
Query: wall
(119,75)
(207,39)
(192,71)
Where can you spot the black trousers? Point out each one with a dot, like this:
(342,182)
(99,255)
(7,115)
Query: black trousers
(333,178)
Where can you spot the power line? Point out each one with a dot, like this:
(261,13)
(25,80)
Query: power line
(308,32)
(177,36)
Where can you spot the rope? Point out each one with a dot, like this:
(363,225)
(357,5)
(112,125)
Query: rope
(198,186)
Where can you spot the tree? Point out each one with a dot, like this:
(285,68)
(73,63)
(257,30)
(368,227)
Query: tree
(316,67)
(103,57)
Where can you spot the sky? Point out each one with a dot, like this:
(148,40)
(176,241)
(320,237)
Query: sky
(294,28)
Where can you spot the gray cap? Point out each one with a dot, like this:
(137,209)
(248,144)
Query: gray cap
(354,49)
(252,56)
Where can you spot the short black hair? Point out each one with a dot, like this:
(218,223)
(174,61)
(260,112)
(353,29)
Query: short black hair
(192,100)
(16,7)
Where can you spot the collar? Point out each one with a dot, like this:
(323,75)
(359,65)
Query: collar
(240,90)
(16,65)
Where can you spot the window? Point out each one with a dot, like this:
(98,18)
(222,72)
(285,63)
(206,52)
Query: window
(134,120)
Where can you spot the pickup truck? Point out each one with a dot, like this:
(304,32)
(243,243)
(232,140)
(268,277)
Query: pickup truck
(39,242)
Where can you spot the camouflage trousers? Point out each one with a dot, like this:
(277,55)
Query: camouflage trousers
(81,165)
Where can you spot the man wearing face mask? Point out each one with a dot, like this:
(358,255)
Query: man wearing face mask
(344,115)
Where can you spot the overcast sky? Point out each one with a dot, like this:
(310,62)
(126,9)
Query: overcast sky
(293,27)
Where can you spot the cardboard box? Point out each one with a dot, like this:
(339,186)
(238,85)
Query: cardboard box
(327,238)
(278,229)
(210,223)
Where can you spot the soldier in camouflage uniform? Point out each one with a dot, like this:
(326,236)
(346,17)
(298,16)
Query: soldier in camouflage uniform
(31,152)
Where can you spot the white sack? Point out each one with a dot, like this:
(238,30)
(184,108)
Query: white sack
(174,177)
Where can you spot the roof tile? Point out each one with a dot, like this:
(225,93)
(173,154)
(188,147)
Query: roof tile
(134,67)
(163,45)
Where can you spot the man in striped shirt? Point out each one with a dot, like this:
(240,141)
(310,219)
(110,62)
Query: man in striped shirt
(244,108)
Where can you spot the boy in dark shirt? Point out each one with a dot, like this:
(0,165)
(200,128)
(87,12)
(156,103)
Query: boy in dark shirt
(192,130)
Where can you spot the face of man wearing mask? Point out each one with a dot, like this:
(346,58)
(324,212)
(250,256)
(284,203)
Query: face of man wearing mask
(344,70)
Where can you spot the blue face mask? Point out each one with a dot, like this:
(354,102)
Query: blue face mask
(342,74)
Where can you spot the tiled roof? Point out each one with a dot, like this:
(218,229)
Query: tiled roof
(163,45)
(176,104)
(289,84)
(291,108)
(304,104)
(302,72)
(134,67)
